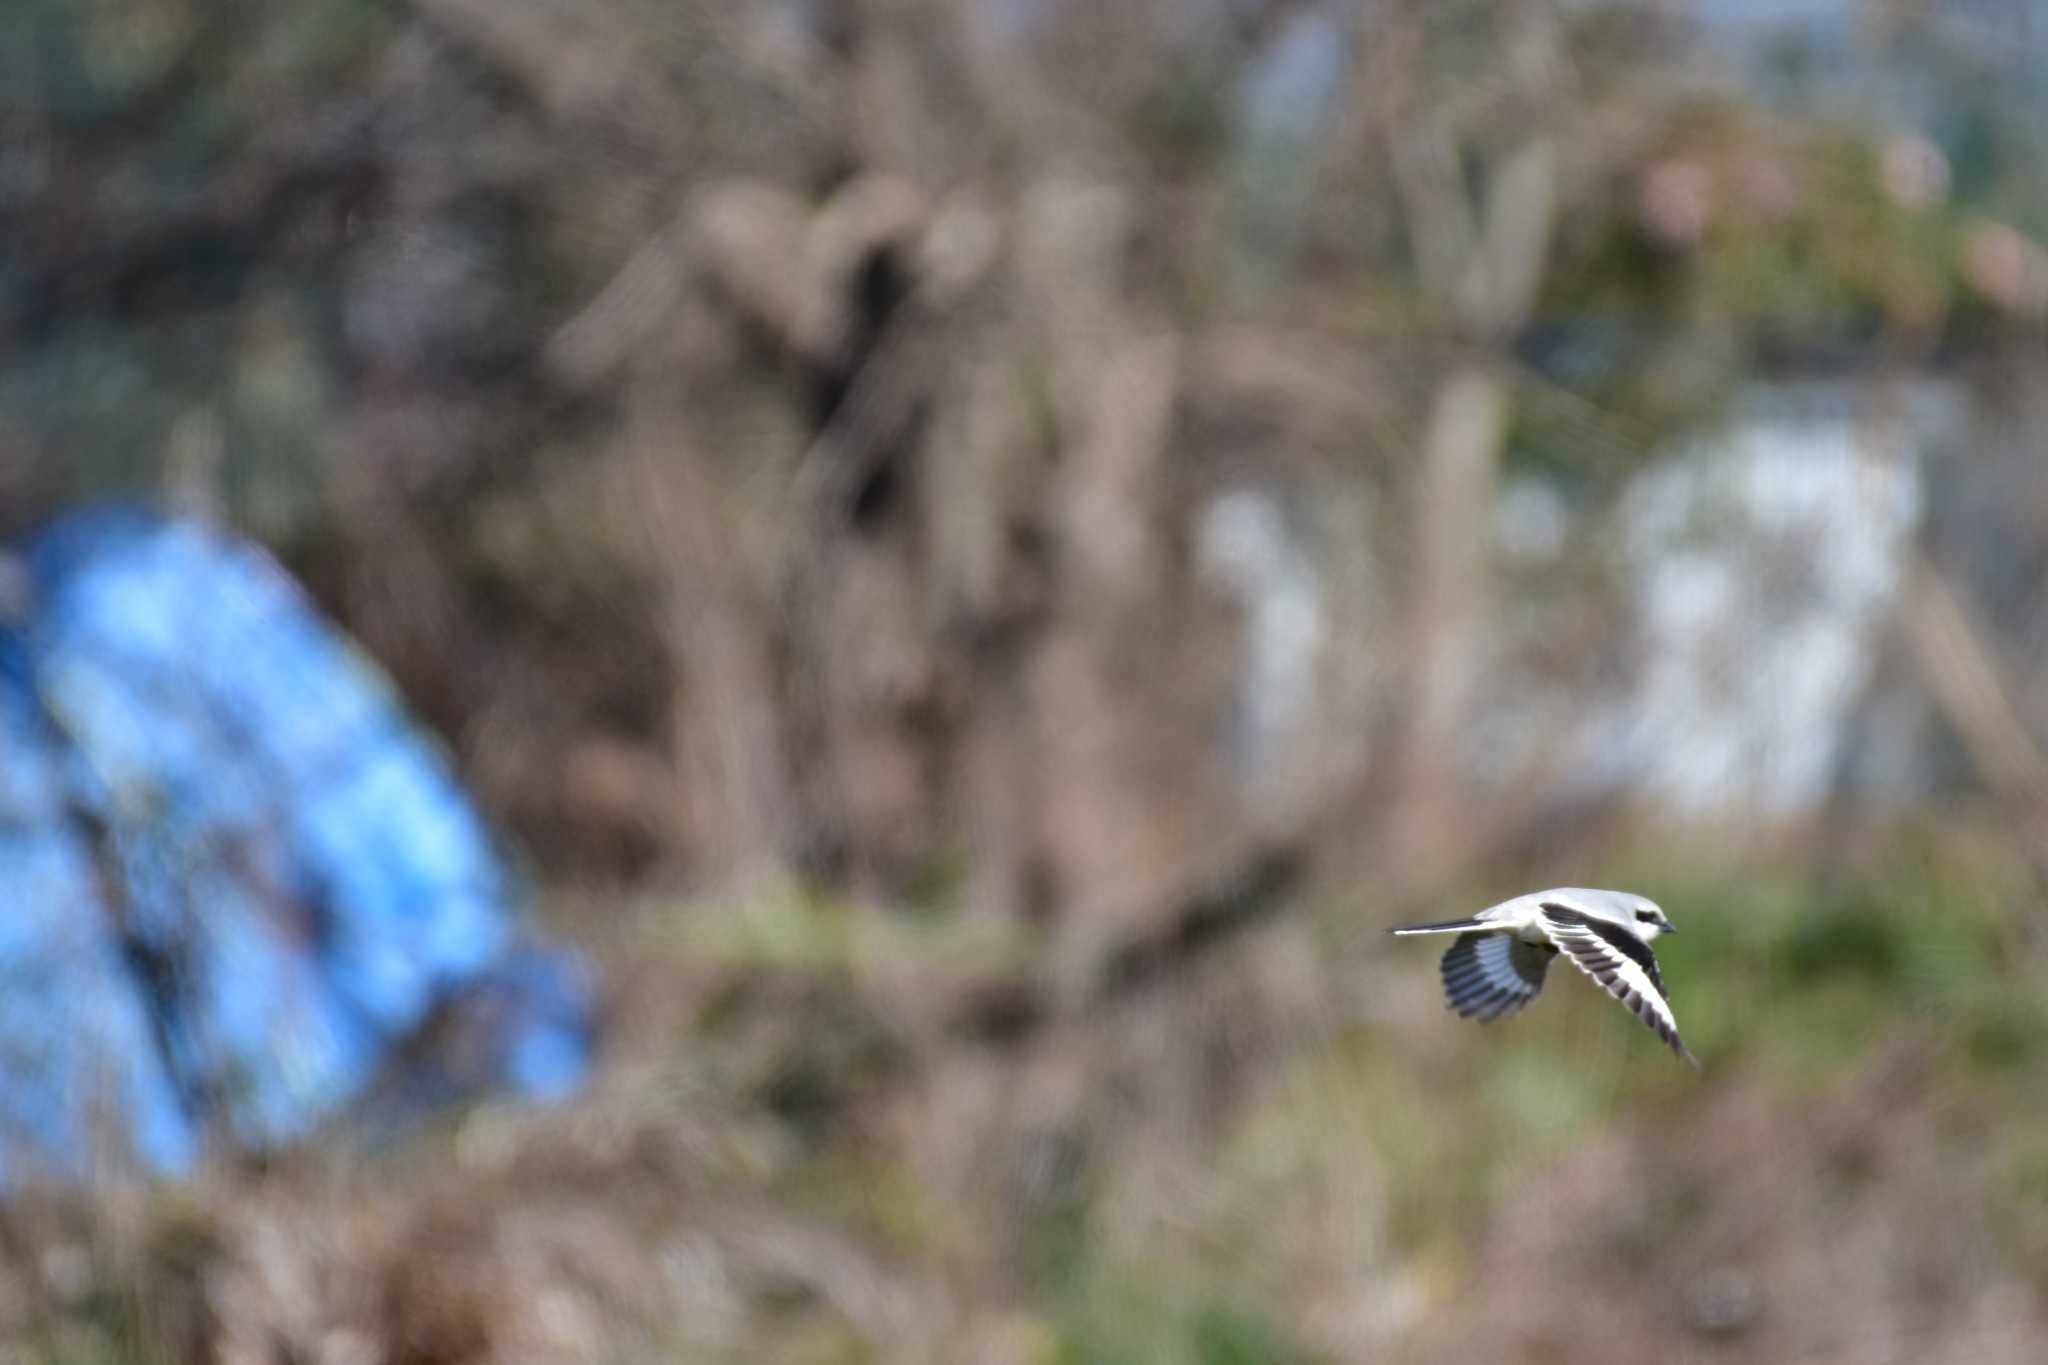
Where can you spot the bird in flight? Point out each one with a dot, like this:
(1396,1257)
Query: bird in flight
(1496,964)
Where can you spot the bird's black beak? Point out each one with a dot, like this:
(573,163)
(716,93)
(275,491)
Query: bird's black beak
(1669,927)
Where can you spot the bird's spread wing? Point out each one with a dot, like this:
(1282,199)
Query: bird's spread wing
(1488,974)
(1621,963)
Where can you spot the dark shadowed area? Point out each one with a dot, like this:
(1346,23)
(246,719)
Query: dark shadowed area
(974,555)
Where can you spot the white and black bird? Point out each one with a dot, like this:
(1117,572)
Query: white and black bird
(1497,962)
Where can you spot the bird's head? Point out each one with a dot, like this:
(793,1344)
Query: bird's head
(1650,920)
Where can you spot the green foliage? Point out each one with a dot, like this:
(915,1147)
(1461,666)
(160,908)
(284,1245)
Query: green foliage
(1226,1337)
(1790,972)
(1729,235)
(1130,1319)
(808,929)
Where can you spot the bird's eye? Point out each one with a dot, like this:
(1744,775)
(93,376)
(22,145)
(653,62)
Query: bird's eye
(1646,916)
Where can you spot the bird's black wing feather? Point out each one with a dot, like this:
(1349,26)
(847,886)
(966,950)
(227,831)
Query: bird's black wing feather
(1488,974)
(1621,964)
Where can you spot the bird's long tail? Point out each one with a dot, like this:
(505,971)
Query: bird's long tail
(1445,926)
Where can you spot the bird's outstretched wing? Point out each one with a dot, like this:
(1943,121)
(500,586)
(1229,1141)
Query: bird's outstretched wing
(1488,974)
(1620,963)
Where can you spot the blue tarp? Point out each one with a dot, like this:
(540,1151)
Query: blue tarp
(235,876)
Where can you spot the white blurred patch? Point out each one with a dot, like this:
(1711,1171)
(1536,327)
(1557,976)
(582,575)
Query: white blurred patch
(1245,548)
(1763,564)
(1531,519)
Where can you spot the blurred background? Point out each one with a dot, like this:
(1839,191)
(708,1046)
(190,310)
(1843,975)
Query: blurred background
(971,556)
